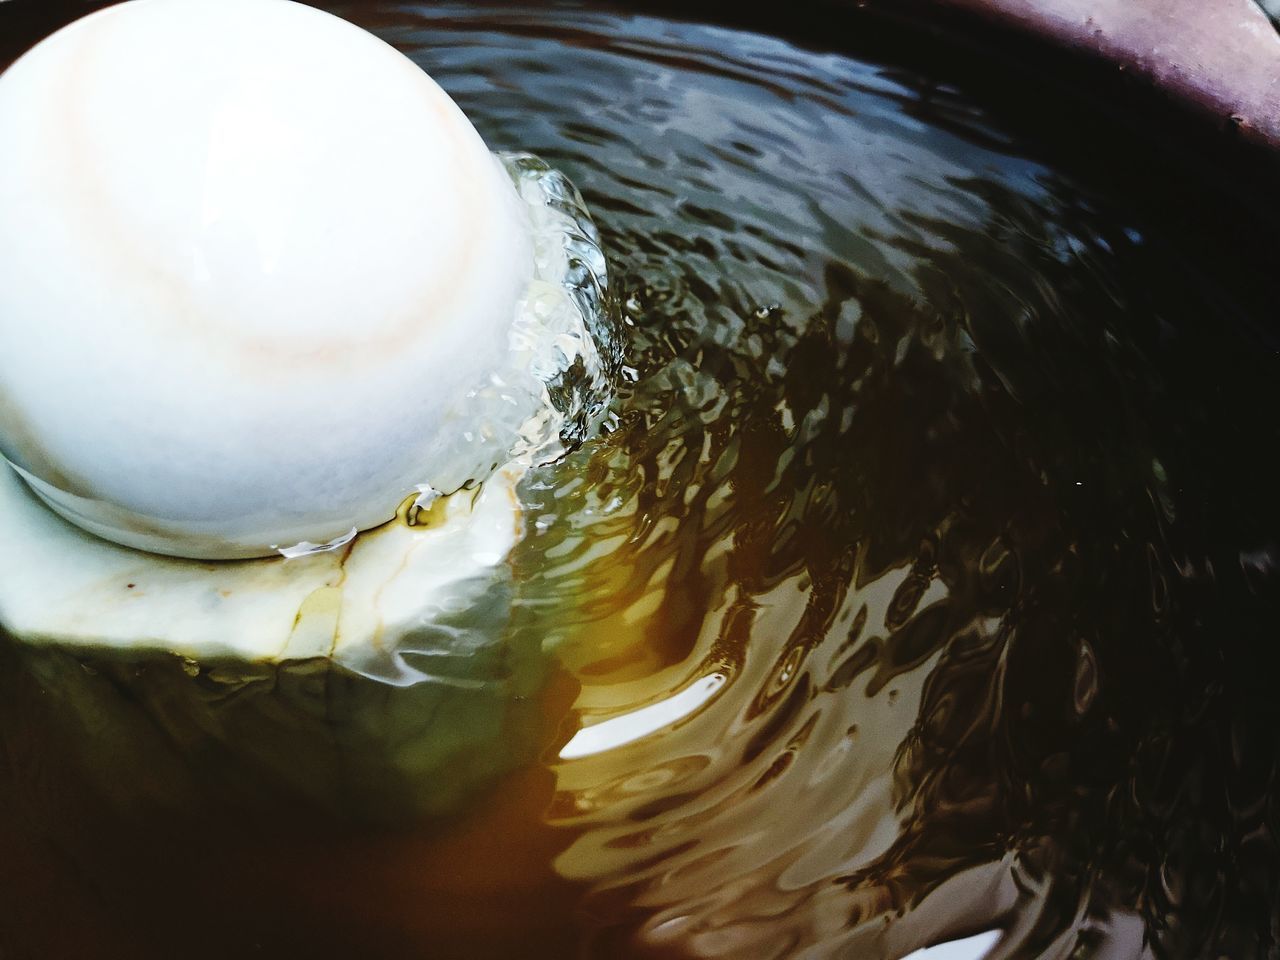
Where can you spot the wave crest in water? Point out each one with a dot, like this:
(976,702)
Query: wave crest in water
(906,591)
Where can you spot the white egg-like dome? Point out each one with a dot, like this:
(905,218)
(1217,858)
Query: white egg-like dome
(251,260)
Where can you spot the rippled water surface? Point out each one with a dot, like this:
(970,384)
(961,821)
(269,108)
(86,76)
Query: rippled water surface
(923,579)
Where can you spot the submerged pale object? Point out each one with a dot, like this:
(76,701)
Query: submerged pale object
(258,279)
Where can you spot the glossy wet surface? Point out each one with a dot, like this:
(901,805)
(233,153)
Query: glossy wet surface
(924,579)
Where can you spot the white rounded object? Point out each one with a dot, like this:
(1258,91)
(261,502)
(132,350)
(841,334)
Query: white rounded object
(252,261)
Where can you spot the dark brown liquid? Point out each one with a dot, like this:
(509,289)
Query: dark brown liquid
(957,468)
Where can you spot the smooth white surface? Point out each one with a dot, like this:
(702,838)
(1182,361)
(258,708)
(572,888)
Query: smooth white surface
(970,948)
(630,727)
(59,585)
(252,261)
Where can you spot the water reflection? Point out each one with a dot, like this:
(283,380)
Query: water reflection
(924,580)
(942,462)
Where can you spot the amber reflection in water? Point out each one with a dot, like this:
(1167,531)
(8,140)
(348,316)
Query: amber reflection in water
(936,508)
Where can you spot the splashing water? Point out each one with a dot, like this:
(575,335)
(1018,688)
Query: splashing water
(564,347)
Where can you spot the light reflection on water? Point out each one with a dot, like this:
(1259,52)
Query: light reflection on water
(923,579)
(898,466)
